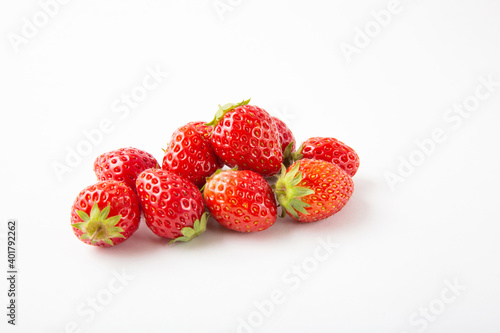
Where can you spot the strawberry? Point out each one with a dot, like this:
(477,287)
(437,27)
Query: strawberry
(246,136)
(287,141)
(240,200)
(173,206)
(123,165)
(330,150)
(105,214)
(190,153)
(286,135)
(312,190)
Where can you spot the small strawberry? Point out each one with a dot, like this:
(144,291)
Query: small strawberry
(287,141)
(240,200)
(312,190)
(330,150)
(286,135)
(246,136)
(123,165)
(105,214)
(190,153)
(173,206)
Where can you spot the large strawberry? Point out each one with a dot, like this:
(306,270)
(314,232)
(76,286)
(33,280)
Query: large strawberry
(331,150)
(123,165)
(172,205)
(246,136)
(240,200)
(312,190)
(105,214)
(190,153)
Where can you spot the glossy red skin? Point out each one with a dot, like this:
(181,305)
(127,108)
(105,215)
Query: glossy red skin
(190,153)
(241,200)
(169,202)
(332,150)
(247,137)
(123,165)
(286,135)
(123,201)
(333,187)
(205,131)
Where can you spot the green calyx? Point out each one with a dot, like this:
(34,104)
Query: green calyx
(290,157)
(289,194)
(98,226)
(297,155)
(225,109)
(189,233)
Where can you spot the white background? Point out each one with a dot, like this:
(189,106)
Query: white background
(396,248)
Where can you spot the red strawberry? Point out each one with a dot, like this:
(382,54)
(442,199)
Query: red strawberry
(105,214)
(240,200)
(190,153)
(287,141)
(286,135)
(173,206)
(312,190)
(330,150)
(246,136)
(123,165)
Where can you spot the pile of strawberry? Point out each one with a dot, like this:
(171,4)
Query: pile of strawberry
(314,183)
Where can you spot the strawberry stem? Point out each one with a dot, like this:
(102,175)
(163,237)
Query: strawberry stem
(94,235)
